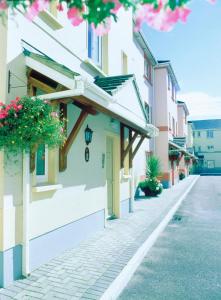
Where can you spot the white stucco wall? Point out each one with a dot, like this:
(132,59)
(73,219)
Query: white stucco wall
(83,193)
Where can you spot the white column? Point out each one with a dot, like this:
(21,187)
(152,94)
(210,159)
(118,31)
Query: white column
(26,203)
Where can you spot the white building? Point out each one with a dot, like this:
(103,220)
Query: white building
(103,83)
(207,144)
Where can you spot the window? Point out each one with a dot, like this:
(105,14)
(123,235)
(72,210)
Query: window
(194,134)
(42,164)
(199,148)
(198,133)
(147,111)
(124,64)
(210,164)
(210,147)
(147,69)
(209,134)
(94,46)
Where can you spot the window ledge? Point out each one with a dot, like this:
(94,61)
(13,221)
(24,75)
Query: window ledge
(94,67)
(50,20)
(46,187)
(124,176)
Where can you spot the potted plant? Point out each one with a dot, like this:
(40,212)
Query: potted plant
(181,176)
(28,122)
(151,186)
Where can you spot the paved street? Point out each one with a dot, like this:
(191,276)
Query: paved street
(86,271)
(185,262)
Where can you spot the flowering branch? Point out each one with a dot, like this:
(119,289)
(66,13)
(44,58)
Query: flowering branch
(159,14)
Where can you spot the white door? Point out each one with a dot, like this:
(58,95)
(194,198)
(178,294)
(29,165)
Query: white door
(109,175)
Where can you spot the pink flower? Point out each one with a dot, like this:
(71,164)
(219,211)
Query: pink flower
(19,107)
(36,7)
(75,16)
(3,114)
(117,5)
(3,5)
(212,1)
(54,114)
(102,28)
(162,18)
(60,7)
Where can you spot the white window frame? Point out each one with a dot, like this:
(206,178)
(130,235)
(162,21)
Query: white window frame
(90,55)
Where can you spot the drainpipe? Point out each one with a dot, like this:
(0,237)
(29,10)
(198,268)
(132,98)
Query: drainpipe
(25,211)
(153,109)
(131,203)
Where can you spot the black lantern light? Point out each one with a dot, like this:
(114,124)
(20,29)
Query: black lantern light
(88,135)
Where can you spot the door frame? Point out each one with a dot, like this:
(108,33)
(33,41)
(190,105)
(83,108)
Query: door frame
(116,174)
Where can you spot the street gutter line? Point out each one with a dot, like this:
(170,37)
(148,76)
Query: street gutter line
(120,282)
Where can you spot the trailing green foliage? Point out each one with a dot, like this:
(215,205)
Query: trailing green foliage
(27,122)
(174,154)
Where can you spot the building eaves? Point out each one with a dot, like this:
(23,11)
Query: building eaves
(140,38)
(51,63)
(183,104)
(167,64)
(112,84)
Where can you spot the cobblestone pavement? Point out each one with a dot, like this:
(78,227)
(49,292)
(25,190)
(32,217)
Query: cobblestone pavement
(86,271)
(185,262)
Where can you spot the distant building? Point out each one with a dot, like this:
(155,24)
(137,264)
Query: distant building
(207,144)
(170,117)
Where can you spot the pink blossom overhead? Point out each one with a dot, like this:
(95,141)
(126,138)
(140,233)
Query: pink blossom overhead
(3,5)
(102,28)
(75,16)
(60,7)
(36,7)
(117,5)
(162,18)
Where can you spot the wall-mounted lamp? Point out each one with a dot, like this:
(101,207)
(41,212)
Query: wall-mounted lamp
(88,135)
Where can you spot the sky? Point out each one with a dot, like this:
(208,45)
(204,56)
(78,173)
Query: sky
(194,50)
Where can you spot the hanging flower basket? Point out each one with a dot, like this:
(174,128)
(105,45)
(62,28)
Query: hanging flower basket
(187,159)
(27,122)
(174,155)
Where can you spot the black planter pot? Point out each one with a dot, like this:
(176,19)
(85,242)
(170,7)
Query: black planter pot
(149,193)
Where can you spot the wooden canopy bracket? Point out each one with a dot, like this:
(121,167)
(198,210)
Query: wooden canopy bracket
(138,146)
(89,109)
(72,136)
(129,148)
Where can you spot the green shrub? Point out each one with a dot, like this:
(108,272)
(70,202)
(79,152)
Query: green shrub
(153,168)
